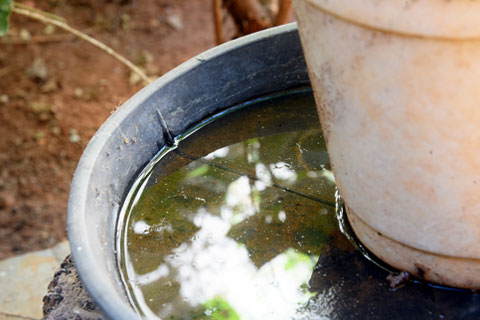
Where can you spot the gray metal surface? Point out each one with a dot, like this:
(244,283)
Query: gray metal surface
(253,66)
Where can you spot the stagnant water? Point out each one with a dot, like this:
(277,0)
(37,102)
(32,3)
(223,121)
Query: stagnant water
(237,221)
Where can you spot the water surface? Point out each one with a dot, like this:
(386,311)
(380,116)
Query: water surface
(231,222)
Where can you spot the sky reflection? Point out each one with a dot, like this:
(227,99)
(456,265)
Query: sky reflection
(234,234)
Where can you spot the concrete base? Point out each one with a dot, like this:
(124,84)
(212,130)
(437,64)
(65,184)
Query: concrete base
(444,270)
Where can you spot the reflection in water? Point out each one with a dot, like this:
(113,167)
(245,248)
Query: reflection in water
(247,230)
(235,233)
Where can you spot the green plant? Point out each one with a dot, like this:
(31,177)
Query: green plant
(5,10)
(8,6)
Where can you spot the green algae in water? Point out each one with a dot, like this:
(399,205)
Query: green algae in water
(230,223)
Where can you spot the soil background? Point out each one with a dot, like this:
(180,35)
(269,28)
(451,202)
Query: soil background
(56,91)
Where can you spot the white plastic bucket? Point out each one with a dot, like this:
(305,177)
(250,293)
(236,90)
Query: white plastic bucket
(397,84)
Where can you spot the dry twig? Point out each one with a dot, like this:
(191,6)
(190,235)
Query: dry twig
(38,39)
(50,19)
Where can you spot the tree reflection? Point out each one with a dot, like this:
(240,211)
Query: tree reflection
(235,233)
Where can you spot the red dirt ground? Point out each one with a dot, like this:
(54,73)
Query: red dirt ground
(72,87)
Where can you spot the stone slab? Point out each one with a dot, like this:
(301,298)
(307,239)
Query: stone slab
(24,280)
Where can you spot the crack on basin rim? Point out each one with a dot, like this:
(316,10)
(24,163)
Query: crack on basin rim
(131,137)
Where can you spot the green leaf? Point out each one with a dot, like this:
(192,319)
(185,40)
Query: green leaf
(219,309)
(199,171)
(5,9)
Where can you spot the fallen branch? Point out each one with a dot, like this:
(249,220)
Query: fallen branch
(249,16)
(217,20)
(284,10)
